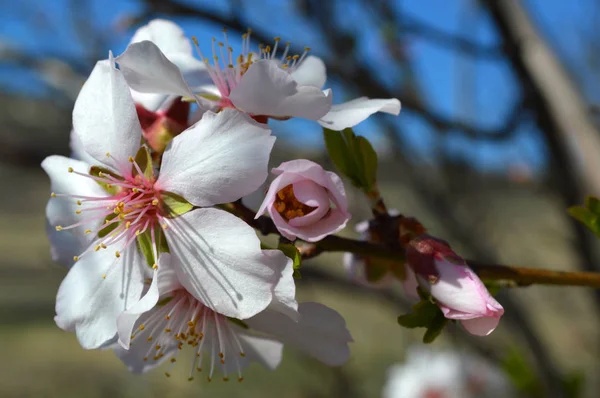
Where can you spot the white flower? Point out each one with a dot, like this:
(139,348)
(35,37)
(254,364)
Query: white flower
(445,374)
(169,317)
(119,205)
(264,84)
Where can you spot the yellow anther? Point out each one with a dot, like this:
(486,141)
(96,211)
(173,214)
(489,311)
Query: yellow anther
(240,379)
(103,245)
(268,49)
(221,355)
(70,169)
(167,374)
(149,338)
(103,276)
(78,202)
(155,266)
(261,46)
(117,254)
(167,330)
(164,226)
(277,38)
(154,202)
(157,347)
(306,48)
(191,324)
(100,174)
(53,195)
(75,258)
(296,56)
(249,31)
(195,40)
(142,327)
(87,231)
(245,36)
(137,233)
(208,379)
(230,66)
(225,378)
(173,360)
(167,317)
(198,369)
(59,227)
(131,159)
(135,190)
(145,358)
(127,224)
(242,354)
(107,154)
(220,44)
(109,186)
(224,30)
(97,248)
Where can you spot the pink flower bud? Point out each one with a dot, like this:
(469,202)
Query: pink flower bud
(306,201)
(160,127)
(459,292)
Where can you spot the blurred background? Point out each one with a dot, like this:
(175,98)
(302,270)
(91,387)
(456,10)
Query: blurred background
(498,135)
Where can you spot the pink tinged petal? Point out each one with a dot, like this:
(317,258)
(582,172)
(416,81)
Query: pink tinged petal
(481,326)
(105,119)
(459,289)
(61,210)
(277,185)
(94,293)
(266,89)
(311,72)
(335,221)
(284,293)
(351,113)
(321,332)
(218,260)
(220,159)
(148,70)
(313,195)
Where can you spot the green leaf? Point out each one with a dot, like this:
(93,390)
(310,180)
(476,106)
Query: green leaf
(144,161)
(292,252)
(586,217)
(353,156)
(238,322)
(435,328)
(173,204)
(521,373)
(98,171)
(422,315)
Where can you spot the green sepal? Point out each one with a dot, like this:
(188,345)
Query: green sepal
(144,242)
(238,322)
(292,252)
(108,229)
(164,301)
(143,158)
(353,156)
(111,189)
(435,328)
(174,205)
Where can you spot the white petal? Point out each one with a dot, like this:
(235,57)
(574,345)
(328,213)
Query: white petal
(77,150)
(481,326)
(64,245)
(220,159)
(284,294)
(311,72)
(350,113)
(105,118)
(267,352)
(167,36)
(148,70)
(266,89)
(90,304)
(321,331)
(218,259)
(61,210)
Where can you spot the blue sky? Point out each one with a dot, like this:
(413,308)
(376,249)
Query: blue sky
(491,87)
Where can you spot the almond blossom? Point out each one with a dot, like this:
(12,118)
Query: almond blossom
(265,84)
(306,201)
(169,317)
(458,291)
(125,212)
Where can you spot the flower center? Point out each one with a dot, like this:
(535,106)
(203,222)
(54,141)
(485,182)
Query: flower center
(227,70)
(182,320)
(129,209)
(289,206)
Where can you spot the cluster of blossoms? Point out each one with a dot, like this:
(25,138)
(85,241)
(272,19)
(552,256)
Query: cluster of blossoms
(161,141)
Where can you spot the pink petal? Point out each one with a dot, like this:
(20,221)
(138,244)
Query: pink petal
(481,326)
(312,195)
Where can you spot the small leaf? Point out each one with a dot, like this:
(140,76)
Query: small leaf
(369,158)
(422,315)
(174,205)
(435,328)
(586,217)
(292,252)
(143,158)
(340,153)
